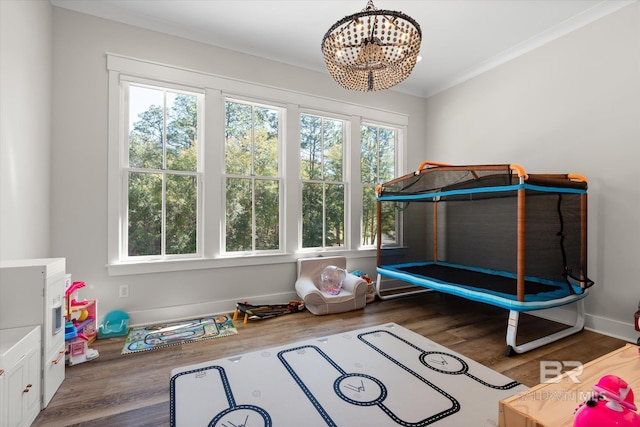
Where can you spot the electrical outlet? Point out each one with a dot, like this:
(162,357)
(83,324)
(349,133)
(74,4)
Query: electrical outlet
(124,291)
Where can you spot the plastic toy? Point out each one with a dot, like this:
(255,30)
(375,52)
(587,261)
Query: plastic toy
(371,290)
(331,279)
(70,331)
(78,350)
(611,405)
(83,315)
(71,290)
(114,324)
(265,311)
(362,275)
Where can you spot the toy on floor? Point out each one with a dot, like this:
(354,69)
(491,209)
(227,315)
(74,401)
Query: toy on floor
(114,324)
(363,275)
(371,290)
(265,311)
(611,405)
(78,350)
(332,279)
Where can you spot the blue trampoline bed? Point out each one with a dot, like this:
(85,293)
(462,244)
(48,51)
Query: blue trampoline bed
(488,233)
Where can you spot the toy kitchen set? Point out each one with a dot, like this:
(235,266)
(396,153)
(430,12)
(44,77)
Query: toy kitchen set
(32,336)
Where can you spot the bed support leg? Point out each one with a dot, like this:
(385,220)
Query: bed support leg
(512,330)
(397,294)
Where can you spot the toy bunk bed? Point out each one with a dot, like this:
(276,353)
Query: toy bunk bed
(488,233)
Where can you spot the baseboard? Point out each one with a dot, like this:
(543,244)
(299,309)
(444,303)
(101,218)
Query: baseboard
(601,325)
(191,311)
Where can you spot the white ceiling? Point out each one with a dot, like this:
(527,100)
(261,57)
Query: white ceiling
(460,38)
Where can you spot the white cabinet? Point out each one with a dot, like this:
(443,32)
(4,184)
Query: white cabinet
(32,293)
(20,368)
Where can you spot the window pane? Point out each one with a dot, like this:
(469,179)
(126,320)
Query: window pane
(182,132)
(238,215)
(369,155)
(322,159)
(388,221)
(238,145)
(368,216)
(378,162)
(369,220)
(145,214)
(312,218)
(181,216)
(387,155)
(252,145)
(332,150)
(146,127)
(334,215)
(310,147)
(266,142)
(267,215)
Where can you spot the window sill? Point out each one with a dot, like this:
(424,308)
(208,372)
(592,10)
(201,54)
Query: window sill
(164,266)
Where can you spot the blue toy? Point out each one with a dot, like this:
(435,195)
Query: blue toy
(114,324)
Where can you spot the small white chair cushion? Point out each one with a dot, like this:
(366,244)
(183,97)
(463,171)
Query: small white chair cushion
(352,296)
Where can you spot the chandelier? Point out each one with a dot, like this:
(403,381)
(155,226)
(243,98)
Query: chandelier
(373,49)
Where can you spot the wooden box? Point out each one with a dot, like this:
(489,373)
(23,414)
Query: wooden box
(552,404)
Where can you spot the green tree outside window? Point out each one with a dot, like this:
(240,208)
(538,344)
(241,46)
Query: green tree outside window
(162,172)
(377,165)
(252,191)
(323,186)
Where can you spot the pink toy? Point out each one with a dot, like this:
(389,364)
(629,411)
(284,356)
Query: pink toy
(619,410)
(74,287)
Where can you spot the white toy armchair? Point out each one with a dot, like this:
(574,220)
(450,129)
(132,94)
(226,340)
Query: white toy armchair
(352,296)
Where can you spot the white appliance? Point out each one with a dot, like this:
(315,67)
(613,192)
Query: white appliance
(32,293)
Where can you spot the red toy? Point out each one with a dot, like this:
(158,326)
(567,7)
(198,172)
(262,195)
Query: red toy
(611,405)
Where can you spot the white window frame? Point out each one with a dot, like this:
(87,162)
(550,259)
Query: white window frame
(280,178)
(347,179)
(398,150)
(126,168)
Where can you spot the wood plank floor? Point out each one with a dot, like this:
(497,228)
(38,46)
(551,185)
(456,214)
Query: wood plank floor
(133,390)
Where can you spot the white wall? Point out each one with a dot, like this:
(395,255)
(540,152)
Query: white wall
(571,106)
(25,128)
(79,202)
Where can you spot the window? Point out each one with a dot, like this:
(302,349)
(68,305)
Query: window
(201,168)
(161,172)
(253,184)
(323,181)
(377,165)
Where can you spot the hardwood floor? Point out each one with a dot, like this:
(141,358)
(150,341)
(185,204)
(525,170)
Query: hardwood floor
(133,390)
